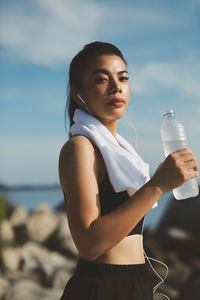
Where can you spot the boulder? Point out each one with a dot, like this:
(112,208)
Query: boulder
(31,290)
(60,277)
(167,290)
(11,258)
(41,223)
(179,227)
(18,216)
(191,290)
(182,214)
(54,261)
(61,240)
(31,256)
(37,260)
(4,285)
(6,232)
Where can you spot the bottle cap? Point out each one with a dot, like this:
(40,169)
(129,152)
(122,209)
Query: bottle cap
(169,113)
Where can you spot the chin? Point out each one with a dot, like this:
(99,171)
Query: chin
(117,113)
(113,115)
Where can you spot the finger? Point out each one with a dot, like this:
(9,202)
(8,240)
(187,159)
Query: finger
(189,157)
(193,174)
(183,151)
(191,165)
(189,174)
(185,157)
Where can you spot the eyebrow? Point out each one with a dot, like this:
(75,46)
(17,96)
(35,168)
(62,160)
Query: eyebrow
(107,72)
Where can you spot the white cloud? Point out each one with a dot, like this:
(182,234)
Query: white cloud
(180,77)
(52,32)
(138,19)
(49,32)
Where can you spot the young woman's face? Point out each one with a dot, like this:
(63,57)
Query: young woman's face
(106,88)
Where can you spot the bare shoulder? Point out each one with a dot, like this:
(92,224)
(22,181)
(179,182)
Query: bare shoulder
(80,152)
(77,143)
(76,152)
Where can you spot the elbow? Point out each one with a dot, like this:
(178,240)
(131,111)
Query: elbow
(92,246)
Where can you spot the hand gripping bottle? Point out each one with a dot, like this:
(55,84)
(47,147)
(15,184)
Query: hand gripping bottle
(174,138)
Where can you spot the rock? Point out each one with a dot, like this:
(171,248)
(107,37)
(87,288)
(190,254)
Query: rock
(179,234)
(41,223)
(42,263)
(31,255)
(21,234)
(179,239)
(179,271)
(53,262)
(71,248)
(4,284)
(167,290)
(31,290)
(63,227)
(11,258)
(183,214)
(41,208)
(64,236)
(191,290)
(61,239)
(6,232)
(18,216)
(60,277)
(56,260)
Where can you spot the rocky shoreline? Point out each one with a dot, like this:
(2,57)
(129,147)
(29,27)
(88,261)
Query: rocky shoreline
(38,256)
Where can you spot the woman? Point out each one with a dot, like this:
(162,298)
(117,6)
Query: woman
(107,226)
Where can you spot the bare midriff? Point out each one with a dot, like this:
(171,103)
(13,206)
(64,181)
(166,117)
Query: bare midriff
(128,251)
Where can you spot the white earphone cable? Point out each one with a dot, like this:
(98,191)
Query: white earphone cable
(162,279)
(147,257)
(134,130)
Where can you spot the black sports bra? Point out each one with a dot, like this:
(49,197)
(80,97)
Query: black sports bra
(110,200)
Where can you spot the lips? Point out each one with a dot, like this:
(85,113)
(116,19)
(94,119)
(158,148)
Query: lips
(118,102)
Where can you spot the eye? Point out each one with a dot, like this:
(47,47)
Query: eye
(100,80)
(124,78)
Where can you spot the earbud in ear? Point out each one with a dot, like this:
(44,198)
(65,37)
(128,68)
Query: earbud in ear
(80,98)
(83,101)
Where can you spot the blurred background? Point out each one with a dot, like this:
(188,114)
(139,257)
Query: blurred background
(38,39)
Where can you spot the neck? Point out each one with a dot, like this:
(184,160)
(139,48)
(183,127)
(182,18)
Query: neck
(112,127)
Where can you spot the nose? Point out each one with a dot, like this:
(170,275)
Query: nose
(115,87)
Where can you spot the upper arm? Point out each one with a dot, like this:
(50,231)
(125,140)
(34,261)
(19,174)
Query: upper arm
(78,176)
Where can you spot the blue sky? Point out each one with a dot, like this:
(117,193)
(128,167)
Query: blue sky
(160,40)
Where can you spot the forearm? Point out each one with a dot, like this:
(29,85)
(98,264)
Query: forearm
(108,230)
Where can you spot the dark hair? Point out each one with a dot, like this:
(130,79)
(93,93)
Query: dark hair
(77,68)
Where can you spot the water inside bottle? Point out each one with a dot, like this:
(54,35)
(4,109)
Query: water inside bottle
(171,146)
(184,191)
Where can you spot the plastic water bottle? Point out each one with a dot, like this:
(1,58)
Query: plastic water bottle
(174,138)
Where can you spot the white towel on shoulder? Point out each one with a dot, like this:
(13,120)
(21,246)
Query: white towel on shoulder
(126,170)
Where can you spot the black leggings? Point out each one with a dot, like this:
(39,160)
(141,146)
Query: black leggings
(102,281)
